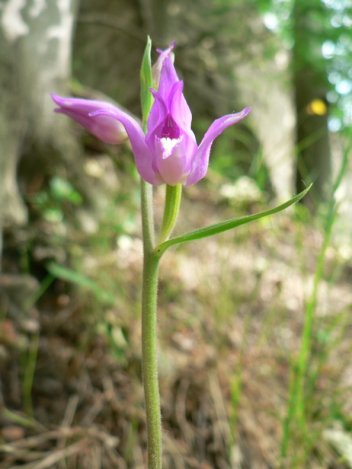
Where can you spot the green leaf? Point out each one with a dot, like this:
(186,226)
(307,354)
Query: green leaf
(172,206)
(62,190)
(72,276)
(227,225)
(146,81)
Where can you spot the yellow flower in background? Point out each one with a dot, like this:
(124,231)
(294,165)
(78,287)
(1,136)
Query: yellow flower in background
(317,107)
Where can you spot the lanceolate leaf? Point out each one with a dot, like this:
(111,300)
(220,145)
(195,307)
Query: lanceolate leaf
(72,276)
(227,225)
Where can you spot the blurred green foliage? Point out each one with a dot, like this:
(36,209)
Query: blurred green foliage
(329,47)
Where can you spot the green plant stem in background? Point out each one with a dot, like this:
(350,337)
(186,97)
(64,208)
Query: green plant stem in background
(149,331)
(30,358)
(297,393)
(29,370)
(172,206)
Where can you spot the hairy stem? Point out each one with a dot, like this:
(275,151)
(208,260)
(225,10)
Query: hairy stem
(150,360)
(149,331)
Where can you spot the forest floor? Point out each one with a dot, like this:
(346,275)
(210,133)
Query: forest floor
(231,313)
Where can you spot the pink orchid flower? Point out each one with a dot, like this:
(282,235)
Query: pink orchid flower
(168,152)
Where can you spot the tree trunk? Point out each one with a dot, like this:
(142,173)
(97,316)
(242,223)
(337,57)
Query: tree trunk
(35,59)
(310,84)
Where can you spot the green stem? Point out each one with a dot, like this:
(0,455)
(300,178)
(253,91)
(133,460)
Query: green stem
(297,398)
(149,331)
(171,209)
(307,336)
(147,216)
(150,360)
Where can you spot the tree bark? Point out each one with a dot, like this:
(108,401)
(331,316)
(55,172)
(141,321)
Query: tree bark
(35,60)
(310,85)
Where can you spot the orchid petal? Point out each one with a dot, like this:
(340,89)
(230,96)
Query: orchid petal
(157,67)
(106,129)
(141,151)
(201,157)
(178,106)
(168,78)
(157,114)
(80,104)
(101,119)
(171,163)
